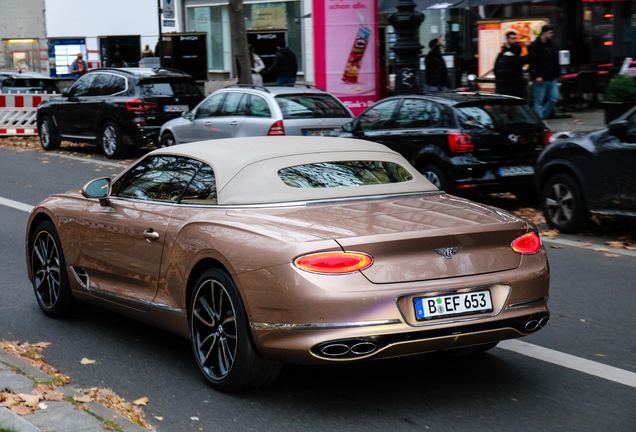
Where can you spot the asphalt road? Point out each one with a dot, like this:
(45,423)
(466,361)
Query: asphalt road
(592,303)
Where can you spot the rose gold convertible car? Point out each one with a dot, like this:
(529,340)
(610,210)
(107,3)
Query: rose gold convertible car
(286,249)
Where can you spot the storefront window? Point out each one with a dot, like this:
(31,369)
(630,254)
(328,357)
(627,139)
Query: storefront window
(21,54)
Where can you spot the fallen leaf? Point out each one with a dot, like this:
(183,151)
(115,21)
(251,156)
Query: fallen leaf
(82,407)
(40,389)
(612,255)
(626,247)
(158,418)
(30,400)
(41,344)
(585,244)
(582,320)
(83,399)
(45,161)
(549,233)
(141,401)
(194,418)
(54,396)
(602,250)
(86,361)
(22,410)
(601,355)
(556,247)
(615,244)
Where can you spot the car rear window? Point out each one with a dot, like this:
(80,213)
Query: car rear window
(29,84)
(298,106)
(490,116)
(176,87)
(343,174)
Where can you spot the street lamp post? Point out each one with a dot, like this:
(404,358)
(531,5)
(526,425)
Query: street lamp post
(406,22)
(159,50)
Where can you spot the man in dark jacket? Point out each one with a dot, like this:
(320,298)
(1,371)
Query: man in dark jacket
(544,69)
(436,72)
(508,69)
(285,65)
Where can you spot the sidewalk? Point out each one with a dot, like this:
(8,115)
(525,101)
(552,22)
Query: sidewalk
(581,121)
(63,416)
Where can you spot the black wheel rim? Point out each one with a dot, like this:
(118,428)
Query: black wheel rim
(168,141)
(46,270)
(560,204)
(45,133)
(214,332)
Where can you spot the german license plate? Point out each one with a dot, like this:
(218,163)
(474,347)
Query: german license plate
(516,171)
(175,108)
(453,305)
(317,132)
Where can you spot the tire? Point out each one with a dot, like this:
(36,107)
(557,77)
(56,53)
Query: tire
(110,141)
(471,350)
(435,175)
(49,139)
(167,140)
(48,269)
(563,204)
(221,339)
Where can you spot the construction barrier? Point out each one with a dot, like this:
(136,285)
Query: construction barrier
(18,113)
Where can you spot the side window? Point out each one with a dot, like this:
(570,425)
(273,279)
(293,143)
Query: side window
(417,113)
(631,125)
(209,106)
(259,107)
(378,116)
(101,85)
(202,189)
(82,86)
(117,84)
(232,104)
(158,178)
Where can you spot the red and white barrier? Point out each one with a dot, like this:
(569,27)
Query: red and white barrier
(18,113)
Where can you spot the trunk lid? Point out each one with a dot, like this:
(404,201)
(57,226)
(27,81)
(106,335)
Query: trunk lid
(173,96)
(312,114)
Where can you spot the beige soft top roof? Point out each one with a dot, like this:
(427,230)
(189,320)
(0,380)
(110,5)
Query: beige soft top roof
(246,169)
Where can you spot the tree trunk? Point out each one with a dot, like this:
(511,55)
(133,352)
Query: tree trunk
(240,53)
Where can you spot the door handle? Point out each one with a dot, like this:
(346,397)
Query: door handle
(151,235)
(208,123)
(234,123)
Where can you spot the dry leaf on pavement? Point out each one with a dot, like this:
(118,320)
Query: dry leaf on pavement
(585,245)
(612,255)
(549,233)
(601,250)
(30,400)
(556,247)
(54,396)
(86,361)
(141,401)
(83,399)
(22,410)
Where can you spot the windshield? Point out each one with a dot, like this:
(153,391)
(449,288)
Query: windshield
(175,87)
(311,106)
(339,174)
(493,116)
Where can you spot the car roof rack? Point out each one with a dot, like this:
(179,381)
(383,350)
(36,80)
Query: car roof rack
(310,86)
(157,69)
(248,86)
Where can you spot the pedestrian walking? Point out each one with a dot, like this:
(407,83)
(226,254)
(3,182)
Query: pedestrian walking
(147,52)
(118,61)
(436,72)
(285,65)
(257,67)
(544,70)
(78,68)
(509,68)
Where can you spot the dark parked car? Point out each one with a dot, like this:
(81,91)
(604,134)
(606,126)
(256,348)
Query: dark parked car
(21,82)
(117,108)
(461,141)
(594,171)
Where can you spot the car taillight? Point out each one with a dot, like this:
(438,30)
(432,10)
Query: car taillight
(139,105)
(277,129)
(527,244)
(547,135)
(334,262)
(460,143)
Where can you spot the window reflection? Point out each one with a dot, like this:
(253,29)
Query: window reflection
(202,189)
(348,173)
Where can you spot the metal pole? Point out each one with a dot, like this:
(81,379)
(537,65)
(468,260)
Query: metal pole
(160,44)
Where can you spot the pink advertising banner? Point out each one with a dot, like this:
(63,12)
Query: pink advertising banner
(346,50)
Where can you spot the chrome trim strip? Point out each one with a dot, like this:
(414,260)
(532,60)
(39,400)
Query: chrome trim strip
(140,302)
(528,303)
(322,326)
(78,136)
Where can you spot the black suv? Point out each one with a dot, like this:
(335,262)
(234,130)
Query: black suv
(117,108)
(461,141)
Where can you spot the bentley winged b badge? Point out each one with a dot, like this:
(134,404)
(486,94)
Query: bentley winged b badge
(448,252)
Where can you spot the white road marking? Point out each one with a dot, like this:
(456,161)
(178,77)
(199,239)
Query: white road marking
(16,205)
(572,362)
(592,247)
(88,160)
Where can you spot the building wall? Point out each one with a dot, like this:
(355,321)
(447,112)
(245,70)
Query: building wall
(22,19)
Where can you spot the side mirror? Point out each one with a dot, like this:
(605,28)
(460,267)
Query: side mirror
(188,115)
(347,127)
(618,128)
(65,93)
(99,188)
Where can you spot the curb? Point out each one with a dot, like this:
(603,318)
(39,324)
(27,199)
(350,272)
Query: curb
(59,416)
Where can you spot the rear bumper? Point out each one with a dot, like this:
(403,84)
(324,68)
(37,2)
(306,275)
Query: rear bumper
(467,175)
(140,136)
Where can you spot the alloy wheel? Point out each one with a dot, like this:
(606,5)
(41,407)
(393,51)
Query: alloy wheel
(45,133)
(433,178)
(560,203)
(109,139)
(46,270)
(214,329)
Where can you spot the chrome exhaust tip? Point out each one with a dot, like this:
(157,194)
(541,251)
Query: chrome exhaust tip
(335,350)
(532,325)
(363,348)
(543,321)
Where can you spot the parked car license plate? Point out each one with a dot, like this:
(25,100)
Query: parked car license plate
(516,170)
(317,132)
(453,305)
(175,108)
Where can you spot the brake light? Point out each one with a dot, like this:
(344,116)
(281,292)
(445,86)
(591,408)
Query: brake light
(334,262)
(277,129)
(139,105)
(547,135)
(527,244)
(460,143)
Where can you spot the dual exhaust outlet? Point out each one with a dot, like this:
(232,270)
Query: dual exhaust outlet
(348,349)
(535,324)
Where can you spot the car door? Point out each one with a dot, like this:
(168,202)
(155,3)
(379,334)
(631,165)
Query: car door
(200,127)
(375,123)
(67,109)
(122,243)
(259,117)
(230,116)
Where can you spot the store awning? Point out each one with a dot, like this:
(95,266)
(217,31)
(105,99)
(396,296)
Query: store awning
(389,6)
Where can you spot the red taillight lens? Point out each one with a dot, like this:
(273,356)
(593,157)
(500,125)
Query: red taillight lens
(547,135)
(139,105)
(277,129)
(460,143)
(527,244)
(334,262)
